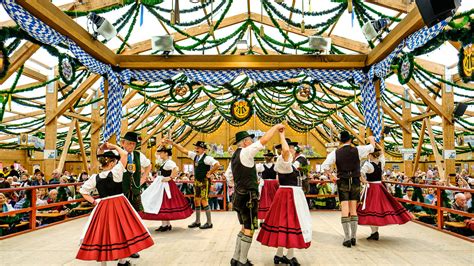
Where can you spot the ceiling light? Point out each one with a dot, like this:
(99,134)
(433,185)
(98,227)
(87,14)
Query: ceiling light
(242,46)
(373,29)
(319,44)
(102,26)
(162,44)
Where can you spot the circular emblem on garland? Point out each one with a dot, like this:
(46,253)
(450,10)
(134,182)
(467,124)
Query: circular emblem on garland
(241,109)
(66,69)
(405,68)
(304,93)
(4,63)
(181,92)
(466,63)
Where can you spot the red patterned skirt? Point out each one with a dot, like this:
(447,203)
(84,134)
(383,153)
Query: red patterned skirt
(381,208)
(269,189)
(281,227)
(175,208)
(114,231)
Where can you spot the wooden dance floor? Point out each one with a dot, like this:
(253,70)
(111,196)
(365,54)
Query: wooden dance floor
(409,244)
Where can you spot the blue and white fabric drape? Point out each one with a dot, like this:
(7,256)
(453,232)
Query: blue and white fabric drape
(372,114)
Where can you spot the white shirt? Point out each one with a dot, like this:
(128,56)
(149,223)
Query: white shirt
(368,168)
(282,166)
(117,173)
(144,161)
(331,158)
(297,164)
(169,165)
(260,166)
(247,158)
(209,160)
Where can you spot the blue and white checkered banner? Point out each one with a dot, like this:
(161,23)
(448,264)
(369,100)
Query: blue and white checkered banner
(211,77)
(153,75)
(424,35)
(271,75)
(336,76)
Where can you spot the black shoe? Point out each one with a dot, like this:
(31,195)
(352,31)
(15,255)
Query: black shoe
(282,260)
(294,262)
(353,241)
(248,263)
(169,227)
(374,236)
(194,225)
(347,243)
(162,229)
(135,256)
(205,226)
(127,263)
(233,262)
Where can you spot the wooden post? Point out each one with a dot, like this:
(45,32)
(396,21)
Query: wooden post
(95,137)
(67,143)
(418,149)
(434,146)
(448,125)
(144,144)
(407,135)
(362,133)
(50,129)
(81,146)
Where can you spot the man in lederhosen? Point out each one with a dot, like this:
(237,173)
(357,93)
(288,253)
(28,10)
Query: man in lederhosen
(347,159)
(138,166)
(245,202)
(301,164)
(204,167)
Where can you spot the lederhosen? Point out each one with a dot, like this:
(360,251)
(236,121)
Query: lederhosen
(107,186)
(304,182)
(269,172)
(348,173)
(245,201)
(131,183)
(201,182)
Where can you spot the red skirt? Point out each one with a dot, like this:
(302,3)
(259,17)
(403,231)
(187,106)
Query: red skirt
(381,208)
(115,232)
(269,189)
(176,208)
(281,227)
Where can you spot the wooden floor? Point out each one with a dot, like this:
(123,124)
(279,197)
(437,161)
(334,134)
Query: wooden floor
(409,244)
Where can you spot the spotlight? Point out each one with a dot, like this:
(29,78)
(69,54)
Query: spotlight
(434,11)
(242,46)
(373,29)
(319,44)
(162,44)
(102,27)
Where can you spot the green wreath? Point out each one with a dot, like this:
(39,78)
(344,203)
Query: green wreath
(465,78)
(67,70)
(405,68)
(241,109)
(5,61)
(182,92)
(297,91)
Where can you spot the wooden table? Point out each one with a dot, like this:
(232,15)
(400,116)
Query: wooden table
(16,225)
(456,224)
(83,208)
(50,214)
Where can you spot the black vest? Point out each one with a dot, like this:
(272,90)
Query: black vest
(303,163)
(269,172)
(107,186)
(290,179)
(347,162)
(164,172)
(132,185)
(376,175)
(245,178)
(200,168)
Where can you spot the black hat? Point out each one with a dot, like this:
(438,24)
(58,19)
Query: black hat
(298,149)
(131,136)
(200,144)
(290,143)
(165,149)
(269,153)
(242,135)
(345,137)
(109,154)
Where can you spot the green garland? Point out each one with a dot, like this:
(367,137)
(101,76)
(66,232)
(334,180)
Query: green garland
(6,62)
(4,100)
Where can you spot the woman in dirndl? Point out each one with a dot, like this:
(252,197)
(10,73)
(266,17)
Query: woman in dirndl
(163,201)
(288,222)
(114,230)
(268,184)
(379,207)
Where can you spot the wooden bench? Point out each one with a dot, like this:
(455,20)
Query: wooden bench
(456,224)
(50,214)
(22,223)
(83,208)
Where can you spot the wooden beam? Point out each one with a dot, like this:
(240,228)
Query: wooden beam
(19,58)
(62,23)
(421,139)
(448,126)
(423,94)
(435,150)
(67,143)
(348,127)
(73,98)
(81,145)
(50,137)
(143,117)
(411,23)
(158,127)
(432,67)
(95,137)
(407,135)
(218,62)
(422,116)
(293,2)
(398,5)
(22,116)
(395,117)
(34,74)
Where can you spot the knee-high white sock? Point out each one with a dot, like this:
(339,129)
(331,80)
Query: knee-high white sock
(245,243)
(279,252)
(345,221)
(354,220)
(291,253)
(237,246)
(374,229)
(122,261)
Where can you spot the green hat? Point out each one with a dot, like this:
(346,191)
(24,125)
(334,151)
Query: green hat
(242,135)
(132,136)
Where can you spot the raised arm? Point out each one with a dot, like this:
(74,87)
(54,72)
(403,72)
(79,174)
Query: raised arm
(213,169)
(269,134)
(123,154)
(179,147)
(285,149)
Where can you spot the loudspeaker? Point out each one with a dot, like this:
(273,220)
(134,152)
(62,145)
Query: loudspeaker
(386,130)
(460,109)
(433,11)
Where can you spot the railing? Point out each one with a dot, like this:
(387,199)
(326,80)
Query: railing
(438,207)
(223,195)
(33,208)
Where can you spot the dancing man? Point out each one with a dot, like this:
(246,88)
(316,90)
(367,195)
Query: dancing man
(379,208)
(347,159)
(245,201)
(204,168)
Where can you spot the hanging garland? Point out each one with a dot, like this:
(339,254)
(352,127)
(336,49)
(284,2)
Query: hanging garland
(405,68)
(4,62)
(182,92)
(66,69)
(304,94)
